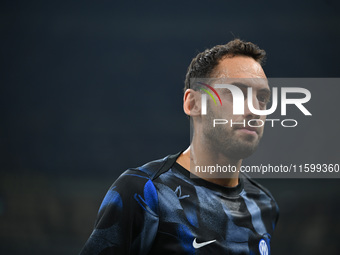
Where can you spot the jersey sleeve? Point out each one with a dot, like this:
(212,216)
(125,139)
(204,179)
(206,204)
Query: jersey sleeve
(127,219)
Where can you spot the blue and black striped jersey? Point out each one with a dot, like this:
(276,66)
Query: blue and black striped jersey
(159,209)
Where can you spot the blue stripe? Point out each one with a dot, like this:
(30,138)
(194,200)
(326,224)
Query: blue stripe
(255,212)
(112,197)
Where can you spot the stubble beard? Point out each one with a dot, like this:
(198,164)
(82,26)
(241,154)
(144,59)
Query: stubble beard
(225,140)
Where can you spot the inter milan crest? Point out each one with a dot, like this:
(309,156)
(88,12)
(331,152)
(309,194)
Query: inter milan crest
(263,247)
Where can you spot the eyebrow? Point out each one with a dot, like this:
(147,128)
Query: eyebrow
(244,86)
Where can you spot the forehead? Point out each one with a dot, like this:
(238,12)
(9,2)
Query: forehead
(241,69)
(238,67)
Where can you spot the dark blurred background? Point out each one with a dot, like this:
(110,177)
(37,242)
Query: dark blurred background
(91,89)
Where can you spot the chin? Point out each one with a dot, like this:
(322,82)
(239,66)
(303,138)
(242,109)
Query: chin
(243,151)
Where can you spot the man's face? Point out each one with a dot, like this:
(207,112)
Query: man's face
(237,141)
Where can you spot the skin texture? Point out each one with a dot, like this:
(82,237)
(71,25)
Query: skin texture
(224,144)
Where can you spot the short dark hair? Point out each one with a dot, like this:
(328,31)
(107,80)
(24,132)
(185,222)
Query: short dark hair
(204,63)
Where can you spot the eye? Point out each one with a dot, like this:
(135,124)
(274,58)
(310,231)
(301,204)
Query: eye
(263,99)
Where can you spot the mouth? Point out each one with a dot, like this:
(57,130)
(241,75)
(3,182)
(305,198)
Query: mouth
(248,130)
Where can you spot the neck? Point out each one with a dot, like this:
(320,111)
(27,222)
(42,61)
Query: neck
(195,157)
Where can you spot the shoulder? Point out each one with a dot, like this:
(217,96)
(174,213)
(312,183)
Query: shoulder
(148,171)
(137,184)
(128,218)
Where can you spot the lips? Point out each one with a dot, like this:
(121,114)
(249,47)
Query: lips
(248,129)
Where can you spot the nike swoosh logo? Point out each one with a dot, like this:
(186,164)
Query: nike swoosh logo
(199,245)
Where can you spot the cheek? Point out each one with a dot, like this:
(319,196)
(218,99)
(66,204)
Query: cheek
(227,110)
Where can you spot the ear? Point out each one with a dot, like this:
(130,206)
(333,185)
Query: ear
(192,102)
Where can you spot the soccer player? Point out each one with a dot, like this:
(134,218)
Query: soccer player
(159,208)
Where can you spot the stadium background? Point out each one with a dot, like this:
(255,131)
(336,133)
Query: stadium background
(90,89)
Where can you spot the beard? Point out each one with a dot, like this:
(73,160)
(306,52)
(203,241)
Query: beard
(225,140)
(227,143)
